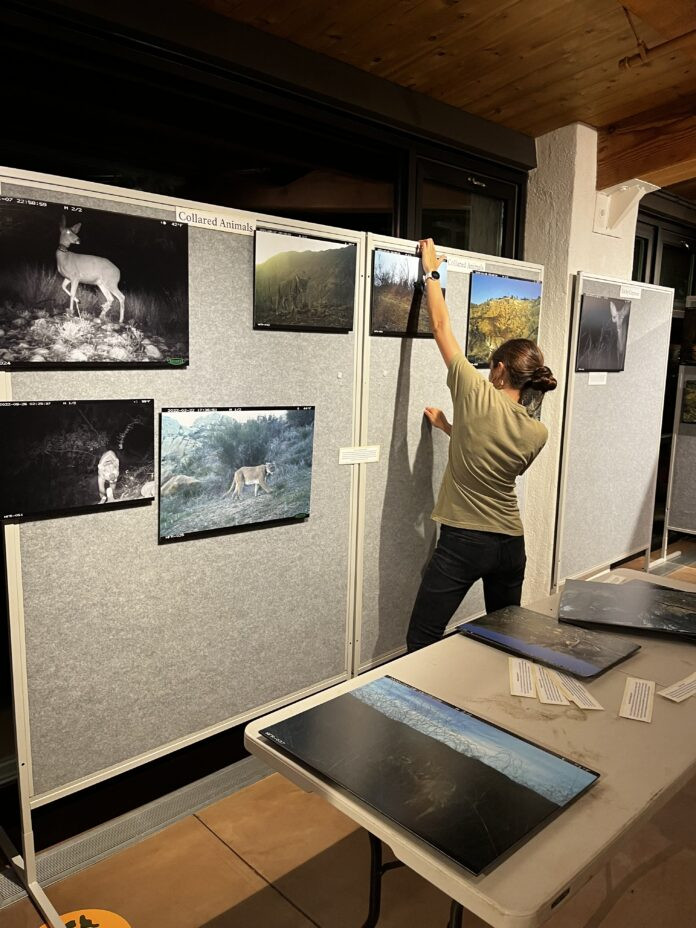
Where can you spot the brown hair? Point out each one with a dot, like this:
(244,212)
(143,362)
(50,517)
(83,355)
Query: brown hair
(524,364)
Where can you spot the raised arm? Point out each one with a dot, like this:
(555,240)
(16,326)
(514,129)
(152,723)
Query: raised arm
(437,308)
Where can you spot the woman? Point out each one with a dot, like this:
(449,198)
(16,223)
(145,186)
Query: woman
(493,439)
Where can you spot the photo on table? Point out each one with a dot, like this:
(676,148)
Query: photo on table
(90,288)
(66,457)
(688,416)
(303,283)
(398,304)
(470,789)
(223,469)
(603,333)
(547,641)
(500,308)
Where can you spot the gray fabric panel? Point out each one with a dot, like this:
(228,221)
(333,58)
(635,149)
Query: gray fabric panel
(614,439)
(682,509)
(405,376)
(131,645)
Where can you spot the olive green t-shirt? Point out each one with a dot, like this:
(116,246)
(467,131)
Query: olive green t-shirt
(493,441)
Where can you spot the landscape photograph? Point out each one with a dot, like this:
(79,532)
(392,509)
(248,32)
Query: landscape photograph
(500,308)
(62,457)
(688,416)
(83,288)
(225,468)
(398,304)
(303,283)
(603,333)
(470,789)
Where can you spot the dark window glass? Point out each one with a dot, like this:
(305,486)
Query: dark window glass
(462,219)
(676,269)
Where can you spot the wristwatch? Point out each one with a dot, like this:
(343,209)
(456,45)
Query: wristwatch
(434,275)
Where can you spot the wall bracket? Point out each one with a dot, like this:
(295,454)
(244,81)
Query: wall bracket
(613,204)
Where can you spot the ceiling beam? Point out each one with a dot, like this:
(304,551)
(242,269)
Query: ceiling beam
(657,145)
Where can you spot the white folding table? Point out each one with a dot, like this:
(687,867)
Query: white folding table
(641,766)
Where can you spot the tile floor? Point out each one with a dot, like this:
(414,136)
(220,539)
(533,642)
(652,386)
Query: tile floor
(271,856)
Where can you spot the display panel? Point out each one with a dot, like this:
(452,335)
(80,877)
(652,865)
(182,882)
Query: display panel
(303,282)
(546,641)
(468,788)
(500,308)
(86,288)
(688,416)
(633,606)
(398,304)
(75,456)
(603,334)
(228,468)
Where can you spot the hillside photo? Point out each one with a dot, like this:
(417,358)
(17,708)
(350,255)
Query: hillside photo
(225,468)
(303,283)
(689,408)
(87,288)
(500,308)
(398,304)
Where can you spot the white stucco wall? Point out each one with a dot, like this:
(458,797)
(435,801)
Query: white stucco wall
(559,235)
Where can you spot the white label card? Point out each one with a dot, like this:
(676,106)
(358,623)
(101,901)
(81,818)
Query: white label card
(465,265)
(548,690)
(361,454)
(240,223)
(629,292)
(637,702)
(680,690)
(576,692)
(597,378)
(521,678)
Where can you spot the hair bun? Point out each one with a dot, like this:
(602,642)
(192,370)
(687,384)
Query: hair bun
(542,379)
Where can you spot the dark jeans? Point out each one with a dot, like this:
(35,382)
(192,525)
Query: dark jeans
(462,557)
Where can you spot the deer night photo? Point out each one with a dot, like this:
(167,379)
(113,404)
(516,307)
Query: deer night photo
(603,334)
(303,283)
(84,288)
(69,456)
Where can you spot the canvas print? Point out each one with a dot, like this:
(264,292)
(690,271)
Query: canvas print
(398,302)
(500,308)
(688,416)
(545,640)
(603,334)
(468,788)
(302,282)
(633,606)
(70,456)
(86,287)
(225,468)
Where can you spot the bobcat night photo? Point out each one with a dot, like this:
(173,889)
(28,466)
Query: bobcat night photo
(75,456)
(226,468)
(85,288)
(303,283)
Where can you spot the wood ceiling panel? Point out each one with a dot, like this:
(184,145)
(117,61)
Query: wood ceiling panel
(531,65)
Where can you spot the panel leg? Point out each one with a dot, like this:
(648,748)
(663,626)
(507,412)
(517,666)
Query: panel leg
(456,915)
(377,871)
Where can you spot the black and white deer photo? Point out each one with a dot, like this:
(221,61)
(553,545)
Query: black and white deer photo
(90,287)
(64,456)
(603,334)
(303,282)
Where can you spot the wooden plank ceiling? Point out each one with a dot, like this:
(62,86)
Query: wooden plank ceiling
(531,65)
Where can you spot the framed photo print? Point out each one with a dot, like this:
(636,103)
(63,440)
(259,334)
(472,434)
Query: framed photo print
(398,303)
(66,457)
(688,416)
(603,333)
(89,288)
(500,308)
(227,468)
(303,283)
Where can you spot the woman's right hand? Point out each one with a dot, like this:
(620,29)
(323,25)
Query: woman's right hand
(438,419)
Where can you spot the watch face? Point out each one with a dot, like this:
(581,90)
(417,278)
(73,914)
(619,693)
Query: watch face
(435,275)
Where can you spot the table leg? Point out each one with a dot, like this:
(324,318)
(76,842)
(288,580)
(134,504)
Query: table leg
(377,871)
(456,915)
